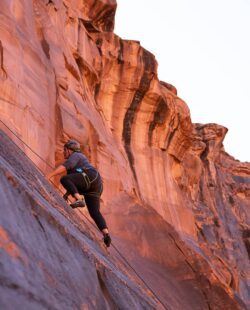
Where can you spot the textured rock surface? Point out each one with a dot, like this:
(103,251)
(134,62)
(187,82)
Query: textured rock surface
(49,258)
(177,204)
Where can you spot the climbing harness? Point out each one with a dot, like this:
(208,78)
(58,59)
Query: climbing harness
(90,182)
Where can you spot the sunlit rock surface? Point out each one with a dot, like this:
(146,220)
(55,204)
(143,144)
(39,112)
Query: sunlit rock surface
(176,203)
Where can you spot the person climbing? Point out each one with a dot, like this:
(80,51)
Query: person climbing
(82,179)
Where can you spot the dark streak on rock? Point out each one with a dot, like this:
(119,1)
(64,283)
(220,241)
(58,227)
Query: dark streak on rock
(201,232)
(172,135)
(89,26)
(45,47)
(202,195)
(86,72)
(149,66)
(99,45)
(71,69)
(246,240)
(231,200)
(160,117)
(97,88)
(39,222)
(1,60)
(120,54)
(79,34)
(104,19)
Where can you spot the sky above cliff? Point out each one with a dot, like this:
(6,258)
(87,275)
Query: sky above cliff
(202,48)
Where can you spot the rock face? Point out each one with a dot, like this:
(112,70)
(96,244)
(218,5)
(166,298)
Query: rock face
(176,203)
(49,258)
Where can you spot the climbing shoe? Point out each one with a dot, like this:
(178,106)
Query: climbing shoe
(107,240)
(77,204)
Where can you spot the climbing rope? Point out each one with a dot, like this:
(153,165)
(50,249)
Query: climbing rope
(112,244)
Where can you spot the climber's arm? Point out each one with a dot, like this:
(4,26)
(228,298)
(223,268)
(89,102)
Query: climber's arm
(59,170)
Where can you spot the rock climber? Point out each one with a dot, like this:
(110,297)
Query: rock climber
(82,179)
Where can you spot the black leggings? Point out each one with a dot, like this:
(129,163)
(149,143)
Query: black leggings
(76,183)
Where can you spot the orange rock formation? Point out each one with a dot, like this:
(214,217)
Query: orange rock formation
(177,204)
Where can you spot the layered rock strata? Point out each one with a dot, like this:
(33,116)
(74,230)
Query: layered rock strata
(176,202)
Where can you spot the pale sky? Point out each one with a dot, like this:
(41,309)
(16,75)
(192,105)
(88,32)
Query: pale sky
(203,48)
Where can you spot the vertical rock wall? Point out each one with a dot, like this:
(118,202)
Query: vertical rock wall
(65,74)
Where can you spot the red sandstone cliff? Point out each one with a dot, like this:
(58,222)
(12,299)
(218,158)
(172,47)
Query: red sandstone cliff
(177,204)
